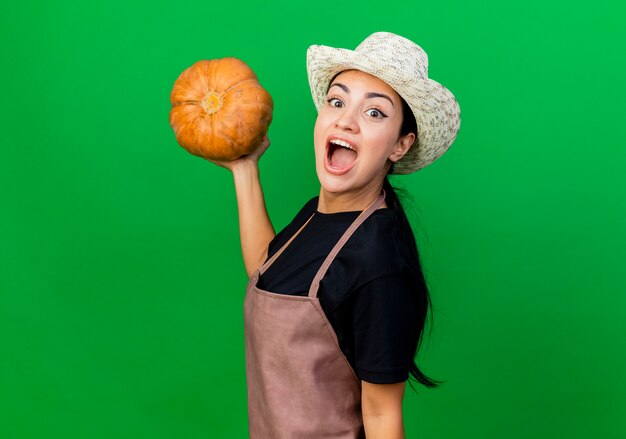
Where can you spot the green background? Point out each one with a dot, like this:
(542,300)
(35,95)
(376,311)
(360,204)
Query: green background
(121,278)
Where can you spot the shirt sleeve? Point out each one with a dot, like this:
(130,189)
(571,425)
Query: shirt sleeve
(384,320)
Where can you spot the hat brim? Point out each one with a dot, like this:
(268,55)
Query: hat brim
(435,108)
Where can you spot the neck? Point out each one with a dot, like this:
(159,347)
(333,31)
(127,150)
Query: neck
(330,202)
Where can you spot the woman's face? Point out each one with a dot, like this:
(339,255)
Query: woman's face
(357,132)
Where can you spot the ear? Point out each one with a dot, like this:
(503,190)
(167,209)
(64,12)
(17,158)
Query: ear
(402,147)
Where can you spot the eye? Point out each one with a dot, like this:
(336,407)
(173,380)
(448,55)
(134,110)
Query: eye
(334,102)
(375,113)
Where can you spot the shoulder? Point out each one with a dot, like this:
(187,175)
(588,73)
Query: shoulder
(308,208)
(377,246)
(299,219)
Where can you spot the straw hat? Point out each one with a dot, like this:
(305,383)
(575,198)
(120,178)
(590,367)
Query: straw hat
(404,66)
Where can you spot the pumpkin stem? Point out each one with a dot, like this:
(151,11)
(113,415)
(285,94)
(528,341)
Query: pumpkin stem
(212,103)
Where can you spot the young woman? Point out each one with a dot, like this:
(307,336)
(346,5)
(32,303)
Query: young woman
(336,304)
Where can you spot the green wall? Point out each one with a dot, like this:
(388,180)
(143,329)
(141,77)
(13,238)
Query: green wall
(121,279)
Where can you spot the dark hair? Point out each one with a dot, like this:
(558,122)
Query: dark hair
(409,125)
(404,230)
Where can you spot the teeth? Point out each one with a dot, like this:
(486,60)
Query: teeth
(342,143)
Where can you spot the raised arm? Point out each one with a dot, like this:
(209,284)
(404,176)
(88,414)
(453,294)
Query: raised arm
(255,228)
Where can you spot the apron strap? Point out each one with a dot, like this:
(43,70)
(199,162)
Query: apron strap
(348,233)
(277,254)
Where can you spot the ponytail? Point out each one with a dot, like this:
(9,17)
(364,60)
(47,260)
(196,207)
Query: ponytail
(403,228)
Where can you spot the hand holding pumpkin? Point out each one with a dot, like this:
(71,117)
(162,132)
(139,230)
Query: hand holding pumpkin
(220,111)
(253,157)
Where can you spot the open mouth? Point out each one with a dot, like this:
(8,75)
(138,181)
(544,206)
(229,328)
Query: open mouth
(341,154)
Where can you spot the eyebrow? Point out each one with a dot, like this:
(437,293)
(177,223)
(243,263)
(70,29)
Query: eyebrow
(367,95)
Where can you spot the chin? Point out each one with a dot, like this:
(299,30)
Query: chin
(335,184)
(331,183)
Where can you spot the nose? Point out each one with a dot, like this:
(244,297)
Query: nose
(346,121)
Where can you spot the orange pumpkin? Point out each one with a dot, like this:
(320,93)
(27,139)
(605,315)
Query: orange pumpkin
(220,111)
